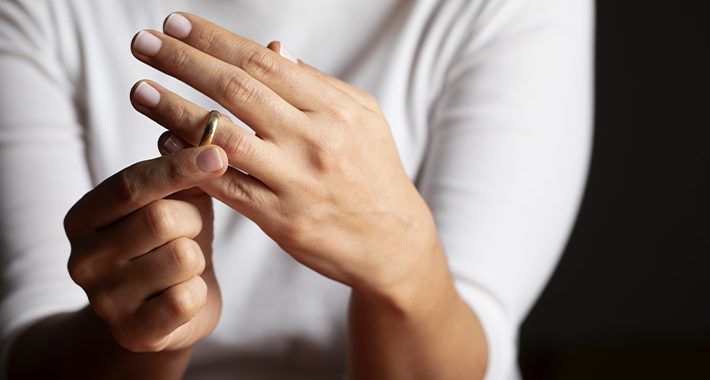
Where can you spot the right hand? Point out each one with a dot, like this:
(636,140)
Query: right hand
(142,250)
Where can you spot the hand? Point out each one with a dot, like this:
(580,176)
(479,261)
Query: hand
(324,177)
(142,250)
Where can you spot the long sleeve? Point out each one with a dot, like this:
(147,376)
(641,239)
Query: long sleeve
(508,155)
(42,169)
(508,146)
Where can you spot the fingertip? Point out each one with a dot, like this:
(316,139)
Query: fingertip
(161,142)
(274,46)
(212,159)
(177,25)
(145,44)
(169,143)
(279,48)
(145,94)
(133,89)
(132,98)
(224,157)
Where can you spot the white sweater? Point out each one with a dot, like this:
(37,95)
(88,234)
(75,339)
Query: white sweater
(489,102)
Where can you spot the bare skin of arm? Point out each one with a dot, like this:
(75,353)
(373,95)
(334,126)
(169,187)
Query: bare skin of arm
(326,183)
(422,331)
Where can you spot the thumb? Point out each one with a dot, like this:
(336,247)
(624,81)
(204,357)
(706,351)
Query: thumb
(145,182)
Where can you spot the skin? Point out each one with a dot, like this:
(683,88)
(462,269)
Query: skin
(324,181)
(141,249)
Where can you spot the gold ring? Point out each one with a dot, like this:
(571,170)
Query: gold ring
(210,128)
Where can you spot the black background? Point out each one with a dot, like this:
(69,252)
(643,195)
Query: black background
(630,298)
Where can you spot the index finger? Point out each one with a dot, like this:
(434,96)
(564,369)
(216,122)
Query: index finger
(143,183)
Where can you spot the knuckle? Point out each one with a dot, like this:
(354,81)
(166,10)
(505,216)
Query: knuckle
(326,158)
(128,187)
(260,63)
(238,144)
(177,114)
(207,40)
(295,231)
(160,219)
(345,114)
(237,189)
(80,271)
(200,293)
(178,59)
(71,225)
(187,256)
(369,99)
(238,89)
(181,303)
(103,307)
(177,172)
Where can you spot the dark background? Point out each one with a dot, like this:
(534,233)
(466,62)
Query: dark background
(630,298)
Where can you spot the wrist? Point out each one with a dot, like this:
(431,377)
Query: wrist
(418,293)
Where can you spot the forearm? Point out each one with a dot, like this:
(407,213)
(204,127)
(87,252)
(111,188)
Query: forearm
(79,346)
(426,332)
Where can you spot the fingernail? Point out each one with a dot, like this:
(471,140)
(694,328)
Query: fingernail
(283,50)
(146,95)
(177,26)
(210,160)
(146,43)
(174,144)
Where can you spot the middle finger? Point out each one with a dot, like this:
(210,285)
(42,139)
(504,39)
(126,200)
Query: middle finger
(150,227)
(299,87)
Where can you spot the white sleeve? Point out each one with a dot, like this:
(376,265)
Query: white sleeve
(42,170)
(508,157)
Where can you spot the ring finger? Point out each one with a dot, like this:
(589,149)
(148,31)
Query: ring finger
(187,120)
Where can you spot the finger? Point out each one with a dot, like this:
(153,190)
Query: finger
(159,316)
(148,228)
(247,98)
(172,263)
(187,120)
(359,95)
(242,192)
(143,183)
(293,84)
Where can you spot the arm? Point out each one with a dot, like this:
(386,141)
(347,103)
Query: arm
(504,173)
(425,330)
(38,150)
(311,187)
(44,315)
(361,216)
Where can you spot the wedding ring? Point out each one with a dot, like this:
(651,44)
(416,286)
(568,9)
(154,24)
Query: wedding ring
(210,128)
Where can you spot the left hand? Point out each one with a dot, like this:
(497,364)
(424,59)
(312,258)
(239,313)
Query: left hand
(324,176)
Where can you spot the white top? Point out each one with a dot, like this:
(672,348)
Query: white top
(489,102)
